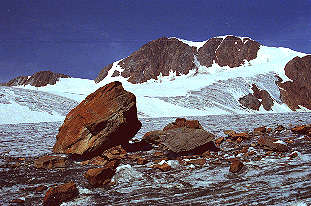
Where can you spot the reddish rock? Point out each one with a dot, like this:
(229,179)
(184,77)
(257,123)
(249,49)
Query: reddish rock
(95,161)
(106,118)
(236,165)
(219,140)
(184,140)
(244,149)
(59,194)
(98,177)
(297,91)
(163,167)
(182,122)
(49,162)
(262,129)
(301,129)
(270,144)
(142,161)
(41,188)
(116,152)
(18,201)
(230,133)
(241,135)
(279,128)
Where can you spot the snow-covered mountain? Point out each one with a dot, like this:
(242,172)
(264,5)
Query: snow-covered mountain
(175,77)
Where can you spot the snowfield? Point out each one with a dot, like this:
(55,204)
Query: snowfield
(204,91)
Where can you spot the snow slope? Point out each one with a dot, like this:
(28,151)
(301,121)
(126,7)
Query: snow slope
(204,91)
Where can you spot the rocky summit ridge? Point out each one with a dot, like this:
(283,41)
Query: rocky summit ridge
(171,54)
(38,79)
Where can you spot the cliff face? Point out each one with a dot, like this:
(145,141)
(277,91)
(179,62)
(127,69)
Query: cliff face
(298,90)
(170,54)
(38,79)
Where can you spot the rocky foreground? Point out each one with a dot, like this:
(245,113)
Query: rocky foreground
(97,157)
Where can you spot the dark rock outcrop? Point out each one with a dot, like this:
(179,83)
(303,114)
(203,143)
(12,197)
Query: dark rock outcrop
(59,194)
(298,91)
(170,54)
(38,79)
(250,101)
(233,51)
(258,98)
(106,118)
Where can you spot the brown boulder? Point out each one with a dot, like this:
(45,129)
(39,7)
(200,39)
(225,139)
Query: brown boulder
(236,165)
(116,152)
(297,91)
(270,144)
(49,162)
(182,122)
(183,140)
(301,129)
(163,167)
(62,193)
(262,129)
(98,177)
(106,118)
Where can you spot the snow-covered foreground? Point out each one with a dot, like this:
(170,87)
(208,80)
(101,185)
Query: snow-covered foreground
(204,91)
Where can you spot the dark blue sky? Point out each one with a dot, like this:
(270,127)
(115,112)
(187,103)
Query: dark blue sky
(80,37)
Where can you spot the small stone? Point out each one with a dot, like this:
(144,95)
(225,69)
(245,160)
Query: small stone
(141,161)
(219,140)
(41,188)
(18,201)
(236,165)
(262,129)
(63,193)
(163,167)
(49,162)
(293,155)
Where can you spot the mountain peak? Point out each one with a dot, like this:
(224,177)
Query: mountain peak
(165,55)
(38,79)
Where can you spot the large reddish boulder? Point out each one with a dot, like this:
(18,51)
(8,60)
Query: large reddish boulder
(297,91)
(59,194)
(106,118)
